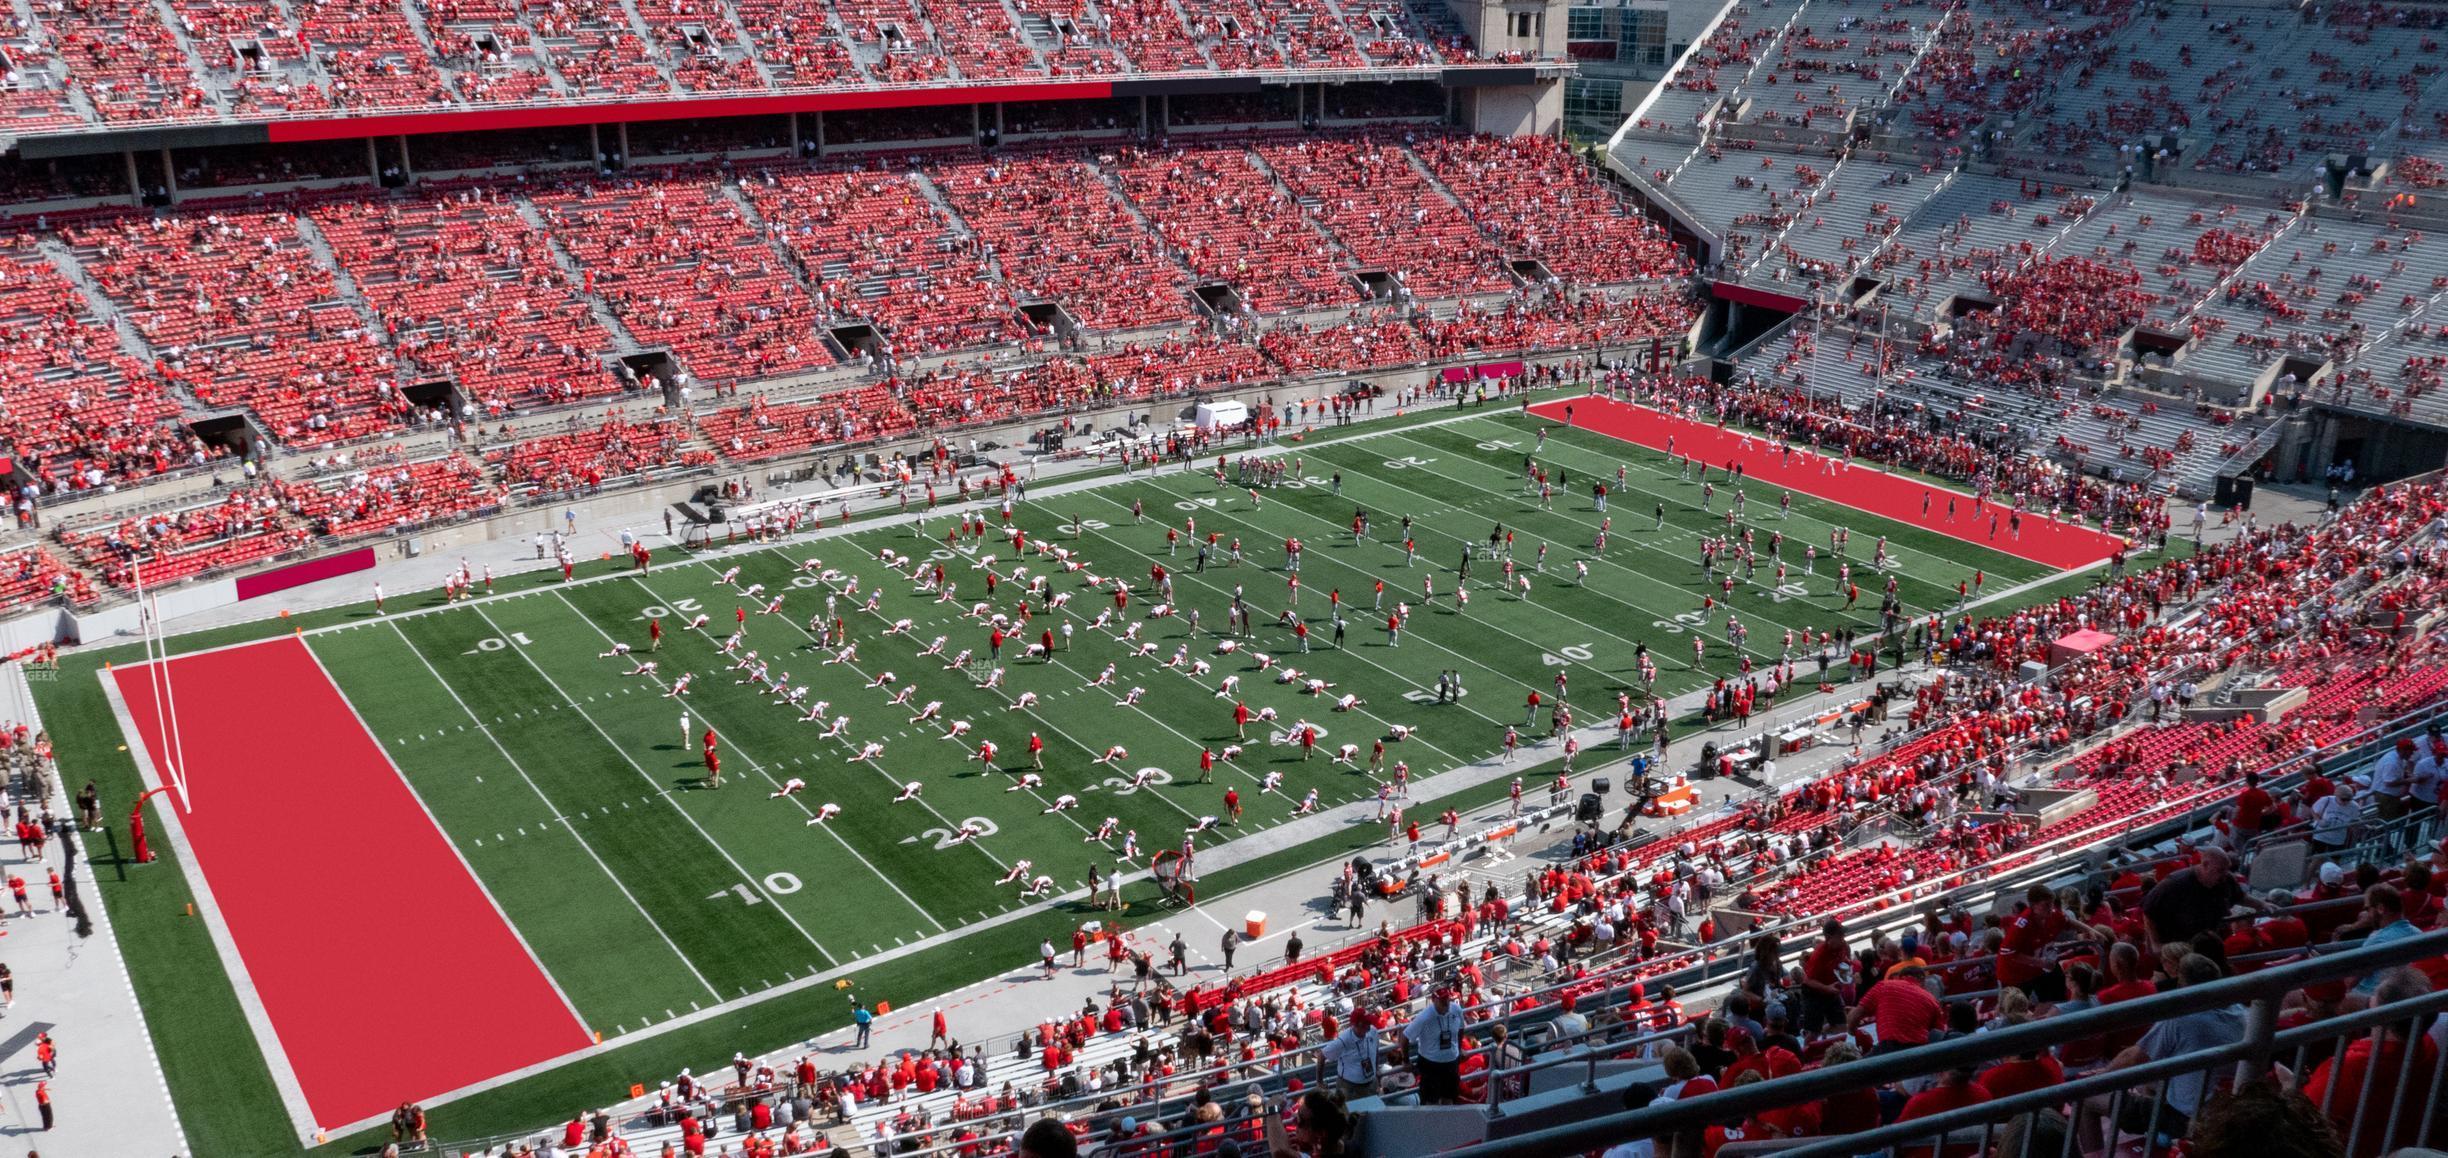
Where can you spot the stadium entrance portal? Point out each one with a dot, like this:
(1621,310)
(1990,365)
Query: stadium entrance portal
(231,432)
(1962,306)
(653,370)
(439,394)
(859,338)
(1379,285)
(1049,318)
(2154,347)
(1220,299)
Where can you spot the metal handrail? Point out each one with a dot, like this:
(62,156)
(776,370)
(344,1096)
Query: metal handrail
(2267,985)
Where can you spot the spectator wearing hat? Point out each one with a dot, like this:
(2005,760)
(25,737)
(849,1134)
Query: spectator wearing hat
(2337,819)
(2430,770)
(1899,1009)
(1353,1054)
(1435,1037)
(1570,1026)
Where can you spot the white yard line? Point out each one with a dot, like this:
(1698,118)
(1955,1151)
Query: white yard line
(751,879)
(515,766)
(761,770)
(1037,796)
(1352,652)
(1895,553)
(920,801)
(444,833)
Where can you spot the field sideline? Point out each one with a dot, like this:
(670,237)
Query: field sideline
(656,905)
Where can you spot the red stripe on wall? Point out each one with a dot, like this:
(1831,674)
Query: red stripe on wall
(556,116)
(297,574)
(1745,295)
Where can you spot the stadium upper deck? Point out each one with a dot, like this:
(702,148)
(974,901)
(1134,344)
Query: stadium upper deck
(318,68)
(2230,200)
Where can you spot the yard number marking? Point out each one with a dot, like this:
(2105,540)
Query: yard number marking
(945,838)
(1574,653)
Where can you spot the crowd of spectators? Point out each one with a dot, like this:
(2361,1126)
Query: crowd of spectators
(1585,944)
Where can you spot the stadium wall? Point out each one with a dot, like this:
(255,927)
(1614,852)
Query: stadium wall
(1517,110)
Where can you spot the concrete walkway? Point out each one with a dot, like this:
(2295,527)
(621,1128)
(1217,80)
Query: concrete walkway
(110,1097)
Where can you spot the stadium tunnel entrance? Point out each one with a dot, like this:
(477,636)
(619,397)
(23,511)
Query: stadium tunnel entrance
(1051,319)
(440,393)
(650,370)
(230,432)
(857,338)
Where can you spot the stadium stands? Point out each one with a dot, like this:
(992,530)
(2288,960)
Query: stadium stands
(241,311)
(1220,214)
(468,291)
(876,249)
(1540,185)
(679,264)
(360,313)
(81,413)
(244,525)
(582,461)
(1427,244)
(1061,234)
(1750,202)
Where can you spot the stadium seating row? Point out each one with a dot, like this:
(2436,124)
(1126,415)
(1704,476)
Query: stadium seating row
(120,62)
(346,315)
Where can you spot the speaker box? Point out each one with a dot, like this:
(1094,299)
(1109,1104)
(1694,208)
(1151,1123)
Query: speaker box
(1590,809)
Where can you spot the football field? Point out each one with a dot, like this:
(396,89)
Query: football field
(515,827)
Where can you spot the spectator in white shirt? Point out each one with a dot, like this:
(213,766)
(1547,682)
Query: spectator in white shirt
(2335,818)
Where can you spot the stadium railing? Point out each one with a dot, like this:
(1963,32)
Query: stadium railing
(2261,1044)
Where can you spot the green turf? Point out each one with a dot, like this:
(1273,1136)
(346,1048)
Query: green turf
(577,799)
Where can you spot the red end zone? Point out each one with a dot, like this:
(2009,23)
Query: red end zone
(387,973)
(2044,540)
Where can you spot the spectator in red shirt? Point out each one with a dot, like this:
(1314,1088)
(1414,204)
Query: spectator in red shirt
(1851,1111)
(1822,1001)
(2377,1099)
(2255,810)
(2042,921)
(1955,1091)
(2422,903)
(2125,979)
(1900,1009)
(2037,1070)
